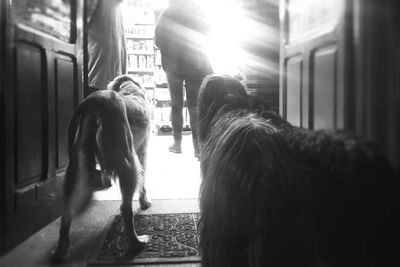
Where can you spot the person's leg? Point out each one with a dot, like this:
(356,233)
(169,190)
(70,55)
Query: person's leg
(176,93)
(192,85)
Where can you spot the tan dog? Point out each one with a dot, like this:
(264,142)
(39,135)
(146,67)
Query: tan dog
(111,127)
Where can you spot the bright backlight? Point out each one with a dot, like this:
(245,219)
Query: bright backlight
(228,27)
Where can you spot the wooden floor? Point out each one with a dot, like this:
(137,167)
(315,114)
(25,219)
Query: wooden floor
(172,183)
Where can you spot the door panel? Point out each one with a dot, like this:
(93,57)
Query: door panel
(30,118)
(65,104)
(325,86)
(294,90)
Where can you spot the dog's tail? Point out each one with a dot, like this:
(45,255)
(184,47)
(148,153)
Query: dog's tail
(78,188)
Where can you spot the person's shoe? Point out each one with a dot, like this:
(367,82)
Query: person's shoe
(176,147)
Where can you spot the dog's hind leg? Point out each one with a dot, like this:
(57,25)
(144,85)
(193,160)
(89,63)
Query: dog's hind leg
(63,243)
(143,201)
(78,194)
(128,176)
(77,188)
(77,197)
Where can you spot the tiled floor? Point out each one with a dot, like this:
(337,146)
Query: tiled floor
(172,183)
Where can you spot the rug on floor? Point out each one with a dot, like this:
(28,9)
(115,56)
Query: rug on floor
(172,238)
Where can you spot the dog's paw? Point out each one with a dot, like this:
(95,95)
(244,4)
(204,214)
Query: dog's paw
(143,239)
(144,203)
(60,254)
(58,257)
(136,248)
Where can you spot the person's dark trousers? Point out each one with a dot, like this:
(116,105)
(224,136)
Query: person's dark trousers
(192,85)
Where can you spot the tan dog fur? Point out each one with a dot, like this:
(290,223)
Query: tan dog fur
(110,127)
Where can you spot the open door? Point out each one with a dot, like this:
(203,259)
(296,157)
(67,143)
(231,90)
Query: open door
(43,85)
(315,63)
(339,68)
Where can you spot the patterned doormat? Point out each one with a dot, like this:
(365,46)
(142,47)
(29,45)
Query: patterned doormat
(173,238)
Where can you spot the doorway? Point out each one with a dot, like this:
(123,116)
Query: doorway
(174,176)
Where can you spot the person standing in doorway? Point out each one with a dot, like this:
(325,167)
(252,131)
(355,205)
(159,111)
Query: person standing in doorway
(180,34)
(106,43)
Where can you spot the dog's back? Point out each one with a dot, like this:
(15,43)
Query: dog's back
(137,107)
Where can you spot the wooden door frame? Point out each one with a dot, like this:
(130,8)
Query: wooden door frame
(377,53)
(3,153)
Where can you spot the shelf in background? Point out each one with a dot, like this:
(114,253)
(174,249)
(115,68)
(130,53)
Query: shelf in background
(137,36)
(140,70)
(141,52)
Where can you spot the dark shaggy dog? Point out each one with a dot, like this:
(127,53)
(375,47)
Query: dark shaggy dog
(254,200)
(256,173)
(111,127)
(352,189)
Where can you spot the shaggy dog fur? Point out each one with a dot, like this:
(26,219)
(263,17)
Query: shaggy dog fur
(253,199)
(111,127)
(353,190)
(259,173)
(218,95)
